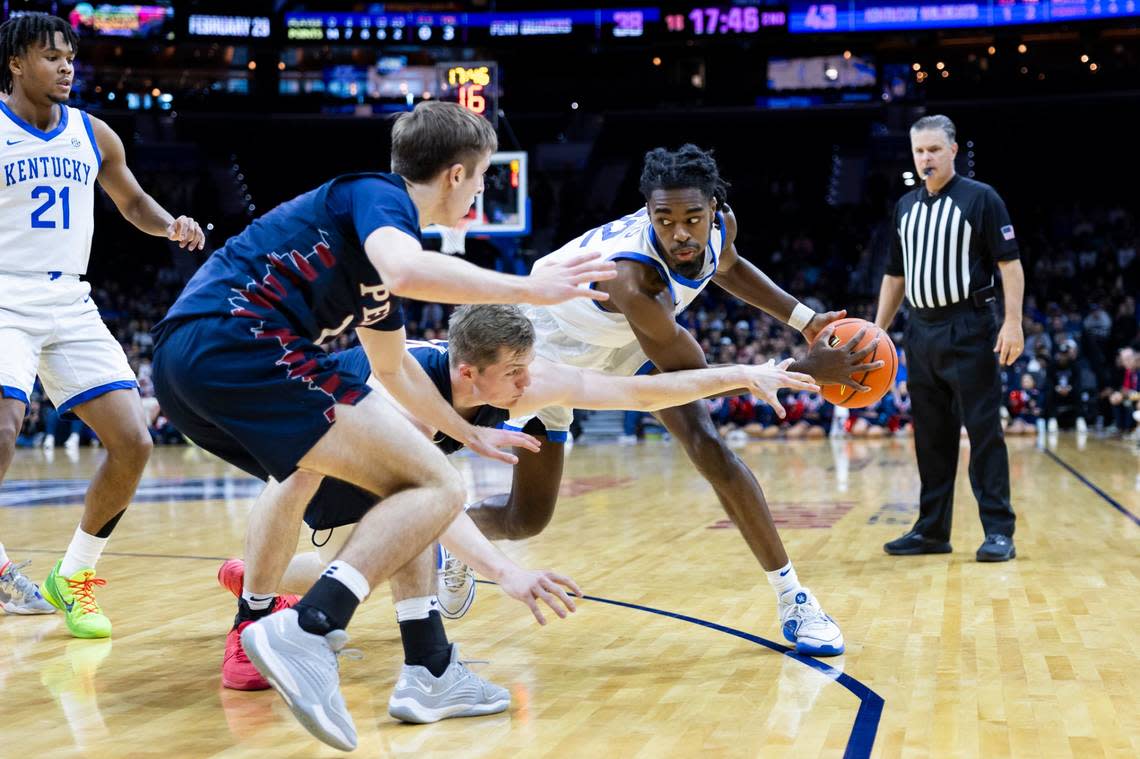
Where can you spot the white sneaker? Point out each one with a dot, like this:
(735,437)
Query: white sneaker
(72,442)
(49,442)
(455,585)
(1082,426)
(1053,425)
(806,625)
(627,440)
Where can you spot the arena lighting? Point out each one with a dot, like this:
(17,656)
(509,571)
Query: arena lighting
(1022,48)
(252,65)
(281,65)
(1084,59)
(846,55)
(940,65)
(656,60)
(991,50)
(908,175)
(574,106)
(1093,67)
(945,74)
(916,66)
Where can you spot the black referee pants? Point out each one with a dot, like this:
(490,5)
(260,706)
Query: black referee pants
(953,379)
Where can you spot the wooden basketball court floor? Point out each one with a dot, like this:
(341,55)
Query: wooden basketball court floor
(678,655)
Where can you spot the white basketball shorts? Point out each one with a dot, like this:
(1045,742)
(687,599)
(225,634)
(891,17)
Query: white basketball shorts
(50,326)
(555,345)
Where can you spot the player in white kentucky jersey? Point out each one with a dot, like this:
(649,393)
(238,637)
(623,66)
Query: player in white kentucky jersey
(666,253)
(51,156)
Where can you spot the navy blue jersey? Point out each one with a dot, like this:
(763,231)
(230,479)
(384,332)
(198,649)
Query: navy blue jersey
(302,266)
(432,356)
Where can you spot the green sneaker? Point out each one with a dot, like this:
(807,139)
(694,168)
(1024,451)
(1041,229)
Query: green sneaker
(74,596)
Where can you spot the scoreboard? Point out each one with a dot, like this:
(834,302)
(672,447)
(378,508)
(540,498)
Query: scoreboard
(879,15)
(474,85)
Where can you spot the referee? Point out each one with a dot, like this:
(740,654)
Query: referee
(950,233)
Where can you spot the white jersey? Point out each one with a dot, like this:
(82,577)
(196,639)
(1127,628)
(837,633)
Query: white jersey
(47,197)
(629,238)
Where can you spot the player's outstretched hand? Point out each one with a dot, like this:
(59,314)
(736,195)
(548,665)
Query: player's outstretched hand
(530,586)
(834,366)
(486,441)
(558,282)
(766,380)
(187,233)
(819,321)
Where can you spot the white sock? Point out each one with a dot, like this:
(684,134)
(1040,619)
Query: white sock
(349,577)
(257,602)
(415,608)
(83,552)
(783,579)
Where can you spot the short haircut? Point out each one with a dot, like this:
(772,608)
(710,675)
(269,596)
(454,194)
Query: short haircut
(475,334)
(680,169)
(18,33)
(437,135)
(937,121)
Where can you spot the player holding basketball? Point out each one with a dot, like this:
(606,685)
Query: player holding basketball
(238,368)
(666,253)
(52,156)
(487,371)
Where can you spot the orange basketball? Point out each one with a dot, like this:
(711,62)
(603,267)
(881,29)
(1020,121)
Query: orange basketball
(879,380)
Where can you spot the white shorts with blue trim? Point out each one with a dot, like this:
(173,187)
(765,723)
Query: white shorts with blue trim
(552,344)
(50,326)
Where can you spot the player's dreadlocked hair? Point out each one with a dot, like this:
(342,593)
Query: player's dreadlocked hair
(19,32)
(688,166)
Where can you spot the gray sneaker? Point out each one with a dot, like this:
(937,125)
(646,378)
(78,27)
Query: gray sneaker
(19,595)
(303,669)
(421,698)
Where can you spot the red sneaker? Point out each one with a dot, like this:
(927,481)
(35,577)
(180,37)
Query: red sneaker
(238,671)
(231,576)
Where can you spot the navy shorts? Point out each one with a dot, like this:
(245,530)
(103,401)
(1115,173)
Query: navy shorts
(257,399)
(338,503)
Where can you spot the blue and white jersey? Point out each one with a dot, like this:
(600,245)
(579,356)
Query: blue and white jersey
(629,238)
(47,198)
(433,357)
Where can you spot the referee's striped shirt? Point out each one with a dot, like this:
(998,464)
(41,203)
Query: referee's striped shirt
(946,246)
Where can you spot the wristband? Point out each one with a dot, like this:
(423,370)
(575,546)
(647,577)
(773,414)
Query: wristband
(801,317)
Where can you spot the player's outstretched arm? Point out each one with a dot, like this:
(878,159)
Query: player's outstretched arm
(530,586)
(133,202)
(558,385)
(412,272)
(407,382)
(743,279)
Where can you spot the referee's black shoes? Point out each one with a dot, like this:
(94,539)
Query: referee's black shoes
(914,543)
(997,548)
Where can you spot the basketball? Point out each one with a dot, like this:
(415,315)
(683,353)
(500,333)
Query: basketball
(879,380)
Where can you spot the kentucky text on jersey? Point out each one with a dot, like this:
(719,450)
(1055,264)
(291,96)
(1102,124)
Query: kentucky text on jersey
(47,167)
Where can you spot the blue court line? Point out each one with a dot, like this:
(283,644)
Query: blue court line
(863,731)
(866,725)
(1111,501)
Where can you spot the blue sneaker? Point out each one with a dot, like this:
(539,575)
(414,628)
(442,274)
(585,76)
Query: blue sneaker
(806,625)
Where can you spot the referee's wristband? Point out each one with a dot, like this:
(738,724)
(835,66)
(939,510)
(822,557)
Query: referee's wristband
(801,317)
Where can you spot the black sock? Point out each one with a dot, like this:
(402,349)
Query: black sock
(328,606)
(425,643)
(246,614)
